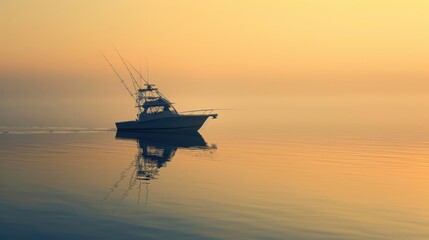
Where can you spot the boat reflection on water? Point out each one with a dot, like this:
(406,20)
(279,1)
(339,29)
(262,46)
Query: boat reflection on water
(154,151)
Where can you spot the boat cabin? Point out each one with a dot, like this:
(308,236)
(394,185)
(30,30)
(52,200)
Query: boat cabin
(152,104)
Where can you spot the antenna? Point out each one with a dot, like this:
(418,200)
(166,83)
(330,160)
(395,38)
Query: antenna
(141,83)
(138,73)
(135,83)
(118,76)
(147,69)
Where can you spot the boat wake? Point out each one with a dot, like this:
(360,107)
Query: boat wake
(52,130)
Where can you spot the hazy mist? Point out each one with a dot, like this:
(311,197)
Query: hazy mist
(320,64)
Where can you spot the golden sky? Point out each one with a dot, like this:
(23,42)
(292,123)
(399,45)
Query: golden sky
(305,48)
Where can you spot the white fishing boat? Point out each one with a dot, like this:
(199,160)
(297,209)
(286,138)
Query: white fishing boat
(155,112)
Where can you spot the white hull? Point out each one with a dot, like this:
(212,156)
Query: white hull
(171,123)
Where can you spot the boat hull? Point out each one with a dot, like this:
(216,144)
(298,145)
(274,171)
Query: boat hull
(174,123)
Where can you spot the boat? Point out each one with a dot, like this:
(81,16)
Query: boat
(154,111)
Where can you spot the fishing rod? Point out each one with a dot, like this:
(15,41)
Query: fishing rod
(117,74)
(135,83)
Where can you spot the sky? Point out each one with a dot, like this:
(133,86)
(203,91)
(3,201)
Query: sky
(304,58)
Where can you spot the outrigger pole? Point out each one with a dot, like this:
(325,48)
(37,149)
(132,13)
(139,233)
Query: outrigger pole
(135,83)
(114,70)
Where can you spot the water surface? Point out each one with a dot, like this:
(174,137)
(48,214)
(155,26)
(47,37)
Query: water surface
(82,184)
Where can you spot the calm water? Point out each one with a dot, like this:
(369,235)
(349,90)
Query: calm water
(92,184)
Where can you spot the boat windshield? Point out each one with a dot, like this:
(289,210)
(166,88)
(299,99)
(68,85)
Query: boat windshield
(158,109)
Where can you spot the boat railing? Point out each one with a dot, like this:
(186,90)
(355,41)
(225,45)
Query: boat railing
(199,112)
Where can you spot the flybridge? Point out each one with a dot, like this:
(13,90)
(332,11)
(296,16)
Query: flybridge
(155,111)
